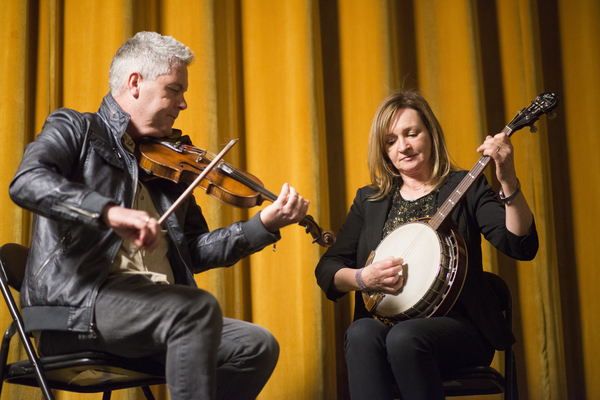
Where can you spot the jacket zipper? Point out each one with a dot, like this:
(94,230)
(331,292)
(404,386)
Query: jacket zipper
(58,249)
(80,211)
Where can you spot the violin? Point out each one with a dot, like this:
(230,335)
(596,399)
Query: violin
(181,162)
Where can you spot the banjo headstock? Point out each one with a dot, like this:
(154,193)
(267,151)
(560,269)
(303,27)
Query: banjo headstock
(545,103)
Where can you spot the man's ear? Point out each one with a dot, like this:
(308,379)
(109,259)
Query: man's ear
(133,84)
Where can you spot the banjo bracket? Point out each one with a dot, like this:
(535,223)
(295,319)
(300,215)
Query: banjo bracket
(373,300)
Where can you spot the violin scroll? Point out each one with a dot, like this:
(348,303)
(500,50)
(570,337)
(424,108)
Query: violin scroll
(321,237)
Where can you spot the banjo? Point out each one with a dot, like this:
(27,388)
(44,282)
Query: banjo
(434,253)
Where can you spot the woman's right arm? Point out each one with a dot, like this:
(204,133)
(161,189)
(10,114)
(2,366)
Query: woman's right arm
(382,276)
(336,271)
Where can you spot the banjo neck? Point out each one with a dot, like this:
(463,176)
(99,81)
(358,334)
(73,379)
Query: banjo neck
(463,187)
(542,104)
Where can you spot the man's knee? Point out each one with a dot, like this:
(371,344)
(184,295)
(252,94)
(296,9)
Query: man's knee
(265,347)
(204,311)
(197,315)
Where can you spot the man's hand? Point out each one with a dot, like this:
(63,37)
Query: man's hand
(289,208)
(134,225)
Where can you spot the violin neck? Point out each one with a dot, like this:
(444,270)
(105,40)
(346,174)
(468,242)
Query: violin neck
(238,176)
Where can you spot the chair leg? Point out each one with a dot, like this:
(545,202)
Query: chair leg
(514,388)
(148,393)
(10,332)
(106,395)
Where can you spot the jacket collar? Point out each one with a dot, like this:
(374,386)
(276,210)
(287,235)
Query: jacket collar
(114,116)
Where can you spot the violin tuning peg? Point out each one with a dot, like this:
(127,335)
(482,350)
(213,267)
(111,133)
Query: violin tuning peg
(552,115)
(533,129)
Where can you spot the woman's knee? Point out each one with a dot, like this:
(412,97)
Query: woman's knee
(365,334)
(406,338)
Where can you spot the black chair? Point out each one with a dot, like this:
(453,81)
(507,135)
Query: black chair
(487,380)
(83,372)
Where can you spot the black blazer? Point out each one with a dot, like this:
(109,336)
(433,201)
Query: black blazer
(479,212)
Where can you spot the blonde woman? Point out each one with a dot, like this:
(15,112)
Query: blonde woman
(412,176)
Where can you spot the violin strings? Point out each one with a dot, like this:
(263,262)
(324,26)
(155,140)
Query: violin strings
(235,174)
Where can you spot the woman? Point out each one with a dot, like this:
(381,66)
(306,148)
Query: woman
(411,176)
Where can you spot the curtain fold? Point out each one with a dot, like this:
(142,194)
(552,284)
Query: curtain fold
(298,83)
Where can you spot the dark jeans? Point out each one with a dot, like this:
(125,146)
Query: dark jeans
(206,356)
(413,354)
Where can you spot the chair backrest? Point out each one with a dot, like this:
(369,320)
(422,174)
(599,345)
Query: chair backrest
(500,288)
(13,259)
(34,370)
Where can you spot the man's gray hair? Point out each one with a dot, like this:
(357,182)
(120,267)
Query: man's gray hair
(148,53)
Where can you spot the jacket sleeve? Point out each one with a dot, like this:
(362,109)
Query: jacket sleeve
(490,214)
(46,180)
(225,246)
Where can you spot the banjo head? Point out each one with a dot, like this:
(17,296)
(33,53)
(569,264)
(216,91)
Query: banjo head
(434,269)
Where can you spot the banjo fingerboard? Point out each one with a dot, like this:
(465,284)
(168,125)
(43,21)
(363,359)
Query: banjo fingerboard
(463,187)
(544,103)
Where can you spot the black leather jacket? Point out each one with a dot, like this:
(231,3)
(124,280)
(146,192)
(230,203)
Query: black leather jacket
(76,167)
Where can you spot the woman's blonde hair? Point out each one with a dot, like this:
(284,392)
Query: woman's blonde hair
(384,176)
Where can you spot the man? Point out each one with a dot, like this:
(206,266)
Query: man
(87,288)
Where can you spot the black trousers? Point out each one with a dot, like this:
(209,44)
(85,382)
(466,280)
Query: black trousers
(413,354)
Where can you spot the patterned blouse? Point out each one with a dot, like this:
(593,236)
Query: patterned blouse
(404,211)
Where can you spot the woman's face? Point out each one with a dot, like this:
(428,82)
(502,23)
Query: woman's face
(409,145)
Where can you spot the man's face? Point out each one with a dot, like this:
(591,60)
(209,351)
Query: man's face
(160,102)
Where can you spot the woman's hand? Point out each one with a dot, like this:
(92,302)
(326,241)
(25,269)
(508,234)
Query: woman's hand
(500,149)
(384,275)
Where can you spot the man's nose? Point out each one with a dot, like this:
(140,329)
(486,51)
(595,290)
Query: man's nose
(182,105)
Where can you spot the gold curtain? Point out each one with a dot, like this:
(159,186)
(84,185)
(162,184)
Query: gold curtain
(298,82)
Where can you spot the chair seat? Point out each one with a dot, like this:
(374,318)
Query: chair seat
(476,380)
(88,372)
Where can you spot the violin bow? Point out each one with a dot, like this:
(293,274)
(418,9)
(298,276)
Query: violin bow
(197,181)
